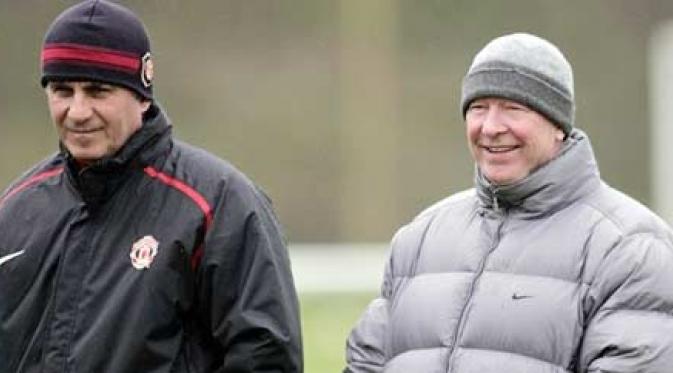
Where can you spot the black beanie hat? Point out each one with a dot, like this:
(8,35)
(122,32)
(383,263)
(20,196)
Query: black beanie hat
(101,41)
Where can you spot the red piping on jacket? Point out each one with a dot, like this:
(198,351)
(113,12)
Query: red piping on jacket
(31,181)
(195,196)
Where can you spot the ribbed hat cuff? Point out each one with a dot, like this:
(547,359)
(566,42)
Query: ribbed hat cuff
(520,86)
(61,72)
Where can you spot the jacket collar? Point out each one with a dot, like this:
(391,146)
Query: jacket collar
(98,181)
(566,178)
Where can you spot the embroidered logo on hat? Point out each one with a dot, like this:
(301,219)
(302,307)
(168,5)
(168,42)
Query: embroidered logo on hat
(147,71)
(143,252)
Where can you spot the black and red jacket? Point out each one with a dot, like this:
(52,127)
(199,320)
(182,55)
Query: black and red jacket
(82,290)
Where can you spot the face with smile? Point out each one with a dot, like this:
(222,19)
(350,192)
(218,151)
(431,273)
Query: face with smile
(509,140)
(93,119)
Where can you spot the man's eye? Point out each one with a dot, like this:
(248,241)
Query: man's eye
(516,107)
(98,89)
(97,92)
(61,90)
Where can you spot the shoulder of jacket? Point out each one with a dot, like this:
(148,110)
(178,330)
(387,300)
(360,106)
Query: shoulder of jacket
(627,216)
(460,198)
(52,162)
(415,228)
(200,161)
(210,174)
(199,164)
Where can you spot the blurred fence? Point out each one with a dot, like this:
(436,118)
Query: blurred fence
(346,112)
(347,267)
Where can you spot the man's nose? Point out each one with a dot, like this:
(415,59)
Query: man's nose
(80,108)
(493,124)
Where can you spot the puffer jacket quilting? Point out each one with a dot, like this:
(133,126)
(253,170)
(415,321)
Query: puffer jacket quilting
(557,273)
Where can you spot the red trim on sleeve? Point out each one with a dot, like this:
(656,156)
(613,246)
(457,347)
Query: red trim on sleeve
(31,181)
(196,256)
(92,55)
(195,196)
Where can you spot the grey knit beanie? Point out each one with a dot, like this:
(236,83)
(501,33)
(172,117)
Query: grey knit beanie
(526,69)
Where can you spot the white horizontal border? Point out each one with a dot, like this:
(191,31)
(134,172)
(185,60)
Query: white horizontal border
(347,267)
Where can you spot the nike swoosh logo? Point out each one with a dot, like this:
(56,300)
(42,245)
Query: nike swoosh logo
(9,257)
(516,296)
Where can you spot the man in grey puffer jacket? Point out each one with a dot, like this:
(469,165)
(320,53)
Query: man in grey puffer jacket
(542,267)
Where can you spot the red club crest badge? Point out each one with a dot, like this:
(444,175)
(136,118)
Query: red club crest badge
(143,252)
(147,70)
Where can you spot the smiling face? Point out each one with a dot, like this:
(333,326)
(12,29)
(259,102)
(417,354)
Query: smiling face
(93,119)
(509,140)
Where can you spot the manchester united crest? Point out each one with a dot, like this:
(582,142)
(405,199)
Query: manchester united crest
(143,252)
(147,70)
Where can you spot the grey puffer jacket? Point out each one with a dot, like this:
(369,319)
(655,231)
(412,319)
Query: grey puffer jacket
(556,273)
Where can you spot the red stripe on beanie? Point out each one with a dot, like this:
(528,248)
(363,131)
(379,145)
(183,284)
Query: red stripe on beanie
(87,54)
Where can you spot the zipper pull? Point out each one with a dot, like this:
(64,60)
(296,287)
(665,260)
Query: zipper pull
(496,206)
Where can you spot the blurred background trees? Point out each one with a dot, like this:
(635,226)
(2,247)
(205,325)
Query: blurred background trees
(346,112)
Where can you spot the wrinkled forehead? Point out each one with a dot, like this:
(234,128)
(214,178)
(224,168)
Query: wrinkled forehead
(88,84)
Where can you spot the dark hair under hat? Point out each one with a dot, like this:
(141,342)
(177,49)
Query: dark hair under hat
(101,41)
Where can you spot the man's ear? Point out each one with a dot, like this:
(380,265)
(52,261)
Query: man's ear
(145,104)
(560,135)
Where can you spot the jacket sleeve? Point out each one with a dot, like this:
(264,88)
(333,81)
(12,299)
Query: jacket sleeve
(246,295)
(631,329)
(366,344)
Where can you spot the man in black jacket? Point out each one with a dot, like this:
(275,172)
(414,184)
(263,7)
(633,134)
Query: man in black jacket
(129,251)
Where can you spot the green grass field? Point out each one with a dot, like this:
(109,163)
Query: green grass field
(327,319)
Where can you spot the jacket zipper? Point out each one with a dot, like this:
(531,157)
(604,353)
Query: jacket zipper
(496,204)
(475,281)
(84,242)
